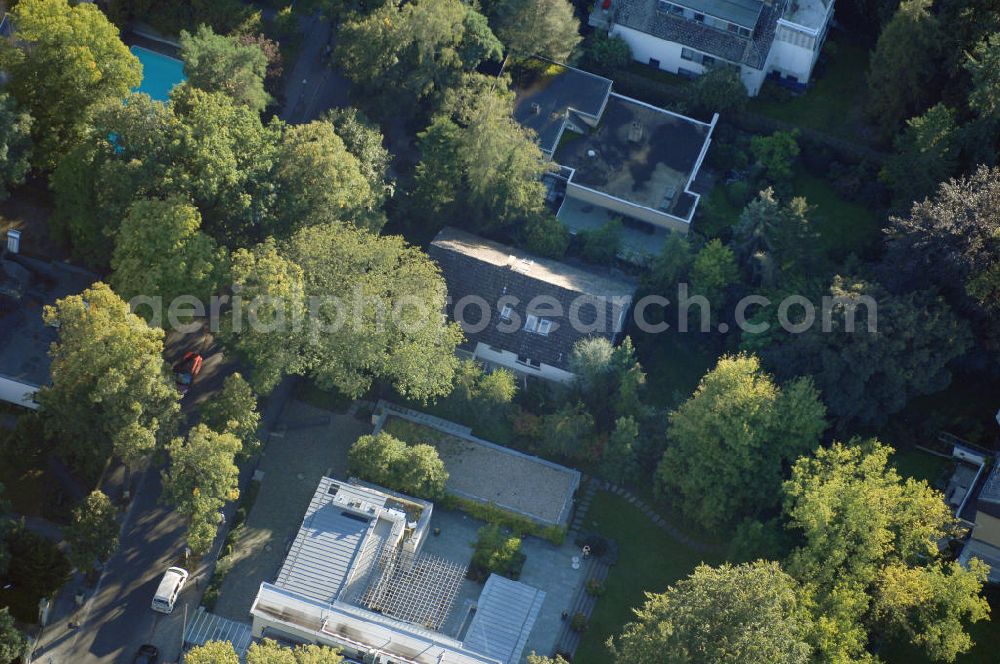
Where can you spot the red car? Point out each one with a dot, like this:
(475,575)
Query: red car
(186,370)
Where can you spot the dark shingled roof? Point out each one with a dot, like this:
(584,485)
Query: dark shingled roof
(548,91)
(644,16)
(473,266)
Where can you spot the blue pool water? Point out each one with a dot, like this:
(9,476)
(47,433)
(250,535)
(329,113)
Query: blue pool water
(160,73)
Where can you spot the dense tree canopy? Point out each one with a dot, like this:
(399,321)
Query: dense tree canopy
(15,144)
(548,28)
(479,165)
(276,287)
(414,48)
(67,59)
(952,242)
(161,251)
(926,154)
(111,392)
(721,615)
(774,241)
(318,181)
(234,410)
(212,652)
(416,470)
(866,374)
(93,531)
(269,651)
(903,66)
(390,323)
(728,442)
(12,640)
(220,63)
(201,478)
(870,556)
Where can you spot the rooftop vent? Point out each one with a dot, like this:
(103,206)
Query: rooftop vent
(592,153)
(536,108)
(635,132)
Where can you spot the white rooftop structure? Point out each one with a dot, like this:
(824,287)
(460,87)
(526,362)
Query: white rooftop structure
(503,609)
(355,578)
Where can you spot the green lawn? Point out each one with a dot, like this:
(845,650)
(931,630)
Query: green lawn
(834,102)
(920,465)
(843,226)
(674,364)
(648,561)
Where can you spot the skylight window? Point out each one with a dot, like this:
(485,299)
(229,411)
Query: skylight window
(505,313)
(544,326)
(531,323)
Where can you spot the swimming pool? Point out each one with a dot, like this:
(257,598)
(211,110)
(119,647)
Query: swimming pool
(160,73)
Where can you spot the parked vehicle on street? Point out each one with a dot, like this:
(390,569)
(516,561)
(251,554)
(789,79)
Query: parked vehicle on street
(147,654)
(170,587)
(186,370)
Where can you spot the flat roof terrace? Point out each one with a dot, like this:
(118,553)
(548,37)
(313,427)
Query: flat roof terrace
(640,154)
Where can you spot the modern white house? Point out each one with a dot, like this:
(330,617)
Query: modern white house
(523,312)
(355,578)
(781,39)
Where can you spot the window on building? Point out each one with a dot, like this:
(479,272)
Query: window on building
(544,326)
(732,27)
(531,323)
(674,9)
(687,54)
(653,62)
(505,313)
(700,18)
(745,32)
(708,61)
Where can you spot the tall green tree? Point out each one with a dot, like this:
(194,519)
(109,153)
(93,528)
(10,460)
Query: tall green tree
(161,251)
(275,286)
(234,410)
(620,462)
(6,523)
(212,652)
(952,243)
(609,379)
(479,165)
(15,144)
(926,155)
(413,469)
(201,478)
(364,139)
(721,615)
(548,28)
(775,156)
(111,392)
(221,63)
(874,352)
(718,90)
(414,49)
(713,271)
(774,242)
(869,556)
(388,321)
(269,651)
(903,66)
(12,641)
(729,442)
(983,64)
(67,58)
(93,531)
(318,181)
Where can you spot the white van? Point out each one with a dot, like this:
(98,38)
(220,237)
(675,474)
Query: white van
(170,587)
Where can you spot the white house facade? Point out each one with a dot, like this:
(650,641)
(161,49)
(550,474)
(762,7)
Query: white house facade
(763,38)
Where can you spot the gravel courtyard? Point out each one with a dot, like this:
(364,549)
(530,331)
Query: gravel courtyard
(486,472)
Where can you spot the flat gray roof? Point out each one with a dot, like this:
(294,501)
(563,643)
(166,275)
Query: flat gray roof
(640,154)
(505,613)
(327,543)
(740,12)
(547,91)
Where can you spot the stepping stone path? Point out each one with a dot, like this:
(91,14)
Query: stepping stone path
(597,568)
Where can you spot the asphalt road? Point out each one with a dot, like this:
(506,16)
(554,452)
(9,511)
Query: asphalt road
(116,618)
